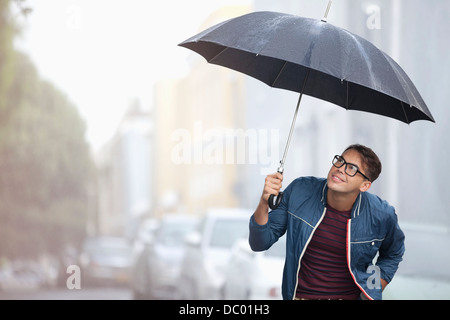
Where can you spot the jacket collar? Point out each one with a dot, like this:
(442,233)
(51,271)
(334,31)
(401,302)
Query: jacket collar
(356,206)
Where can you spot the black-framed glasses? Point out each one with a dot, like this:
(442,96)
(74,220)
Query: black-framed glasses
(350,168)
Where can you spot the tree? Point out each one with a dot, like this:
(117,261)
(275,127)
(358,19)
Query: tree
(45,163)
(7,33)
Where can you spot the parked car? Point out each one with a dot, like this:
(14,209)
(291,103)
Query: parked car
(105,260)
(208,251)
(22,275)
(158,266)
(255,275)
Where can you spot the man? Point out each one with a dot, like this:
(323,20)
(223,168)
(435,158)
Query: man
(334,230)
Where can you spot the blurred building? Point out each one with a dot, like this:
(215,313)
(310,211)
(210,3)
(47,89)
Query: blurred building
(195,134)
(126,175)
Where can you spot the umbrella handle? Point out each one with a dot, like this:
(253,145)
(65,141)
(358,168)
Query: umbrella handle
(273,205)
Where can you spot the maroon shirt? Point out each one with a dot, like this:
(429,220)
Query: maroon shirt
(324,272)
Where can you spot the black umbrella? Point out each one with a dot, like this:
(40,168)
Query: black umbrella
(315,58)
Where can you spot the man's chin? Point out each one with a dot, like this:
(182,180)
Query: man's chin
(339,186)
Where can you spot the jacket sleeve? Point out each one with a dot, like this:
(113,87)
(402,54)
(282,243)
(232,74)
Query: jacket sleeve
(392,250)
(262,237)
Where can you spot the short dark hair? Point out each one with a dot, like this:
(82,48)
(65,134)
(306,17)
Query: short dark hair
(370,160)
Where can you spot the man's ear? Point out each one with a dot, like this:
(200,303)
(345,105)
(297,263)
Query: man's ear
(365,186)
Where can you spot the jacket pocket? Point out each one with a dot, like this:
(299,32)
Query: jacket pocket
(366,250)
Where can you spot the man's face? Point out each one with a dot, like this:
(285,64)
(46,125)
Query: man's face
(339,181)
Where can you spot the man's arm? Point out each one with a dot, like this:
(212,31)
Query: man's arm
(262,232)
(391,251)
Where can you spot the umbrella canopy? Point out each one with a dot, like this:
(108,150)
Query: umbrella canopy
(312,57)
(284,50)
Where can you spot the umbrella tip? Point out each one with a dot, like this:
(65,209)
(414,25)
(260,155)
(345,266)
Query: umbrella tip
(324,19)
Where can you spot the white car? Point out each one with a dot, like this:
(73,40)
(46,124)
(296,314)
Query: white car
(208,252)
(139,262)
(22,275)
(106,260)
(166,254)
(157,266)
(255,275)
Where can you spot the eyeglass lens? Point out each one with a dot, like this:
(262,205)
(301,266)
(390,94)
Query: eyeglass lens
(349,169)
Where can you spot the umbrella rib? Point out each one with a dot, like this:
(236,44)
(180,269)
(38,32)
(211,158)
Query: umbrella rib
(214,58)
(404,112)
(347,96)
(279,73)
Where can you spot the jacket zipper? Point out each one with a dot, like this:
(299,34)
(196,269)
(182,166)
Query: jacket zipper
(348,247)
(304,249)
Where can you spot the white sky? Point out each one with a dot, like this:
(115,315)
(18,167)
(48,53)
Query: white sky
(105,53)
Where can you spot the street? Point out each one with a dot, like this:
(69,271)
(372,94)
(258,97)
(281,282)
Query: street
(90,293)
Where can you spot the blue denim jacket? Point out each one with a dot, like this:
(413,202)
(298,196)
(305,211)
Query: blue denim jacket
(373,229)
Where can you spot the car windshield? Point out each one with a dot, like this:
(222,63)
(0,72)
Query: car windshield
(107,247)
(173,234)
(112,251)
(227,231)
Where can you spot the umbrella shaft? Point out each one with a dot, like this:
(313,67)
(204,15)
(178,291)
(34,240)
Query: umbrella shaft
(326,12)
(291,131)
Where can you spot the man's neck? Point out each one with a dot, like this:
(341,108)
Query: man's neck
(341,201)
